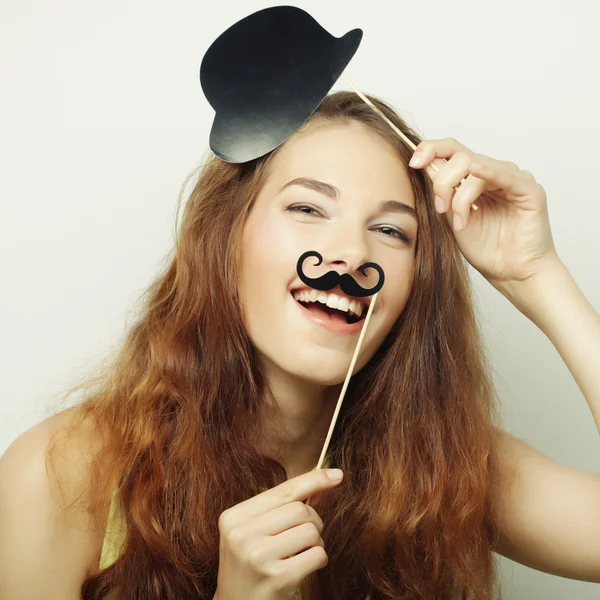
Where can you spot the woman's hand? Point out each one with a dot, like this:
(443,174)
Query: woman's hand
(508,239)
(271,542)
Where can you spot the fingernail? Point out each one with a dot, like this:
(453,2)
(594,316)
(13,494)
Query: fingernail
(439,204)
(416,159)
(457,223)
(334,474)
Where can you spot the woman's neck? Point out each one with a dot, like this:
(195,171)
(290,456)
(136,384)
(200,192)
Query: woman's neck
(297,420)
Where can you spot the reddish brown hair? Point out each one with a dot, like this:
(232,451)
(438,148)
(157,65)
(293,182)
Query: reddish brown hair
(178,413)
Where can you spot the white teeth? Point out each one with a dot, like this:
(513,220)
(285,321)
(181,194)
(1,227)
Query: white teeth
(332,300)
(343,304)
(356,307)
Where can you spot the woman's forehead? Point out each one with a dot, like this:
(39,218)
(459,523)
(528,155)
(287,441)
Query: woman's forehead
(351,160)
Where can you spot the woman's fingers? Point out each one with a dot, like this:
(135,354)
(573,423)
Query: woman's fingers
(450,176)
(462,176)
(427,150)
(297,568)
(500,177)
(292,490)
(284,518)
(289,543)
(466,194)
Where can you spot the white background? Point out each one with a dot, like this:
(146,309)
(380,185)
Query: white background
(102,117)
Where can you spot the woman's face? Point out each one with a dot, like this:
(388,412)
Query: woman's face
(364,223)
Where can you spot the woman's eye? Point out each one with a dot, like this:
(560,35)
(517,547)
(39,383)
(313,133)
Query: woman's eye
(303,208)
(393,232)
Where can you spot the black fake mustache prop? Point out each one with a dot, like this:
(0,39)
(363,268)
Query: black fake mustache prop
(346,282)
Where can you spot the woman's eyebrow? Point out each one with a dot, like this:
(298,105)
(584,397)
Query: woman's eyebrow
(312,184)
(332,192)
(398,207)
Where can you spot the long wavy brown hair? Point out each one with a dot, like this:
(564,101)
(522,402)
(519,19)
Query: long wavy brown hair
(178,407)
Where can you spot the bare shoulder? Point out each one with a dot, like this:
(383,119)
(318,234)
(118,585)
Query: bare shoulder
(548,513)
(48,544)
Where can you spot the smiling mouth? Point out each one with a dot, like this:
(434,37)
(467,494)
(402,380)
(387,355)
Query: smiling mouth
(334,314)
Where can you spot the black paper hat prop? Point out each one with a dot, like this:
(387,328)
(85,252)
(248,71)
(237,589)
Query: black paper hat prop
(265,75)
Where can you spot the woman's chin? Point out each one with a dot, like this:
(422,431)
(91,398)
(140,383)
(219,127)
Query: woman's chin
(322,373)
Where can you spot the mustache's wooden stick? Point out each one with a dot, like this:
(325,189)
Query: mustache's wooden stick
(345,386)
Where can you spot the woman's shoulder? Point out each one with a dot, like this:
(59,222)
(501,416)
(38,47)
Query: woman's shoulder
(46,533)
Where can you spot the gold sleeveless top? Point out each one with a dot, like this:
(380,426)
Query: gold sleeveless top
(114,537)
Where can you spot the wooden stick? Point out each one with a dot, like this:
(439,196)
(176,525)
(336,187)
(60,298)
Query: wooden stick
(431,166)
(345,386)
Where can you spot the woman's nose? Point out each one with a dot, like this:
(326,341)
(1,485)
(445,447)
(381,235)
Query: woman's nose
(346,248)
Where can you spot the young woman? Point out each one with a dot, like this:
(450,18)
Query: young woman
(184,470)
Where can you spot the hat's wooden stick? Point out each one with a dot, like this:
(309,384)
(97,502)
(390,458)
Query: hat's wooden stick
(346,381)
(431,166)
